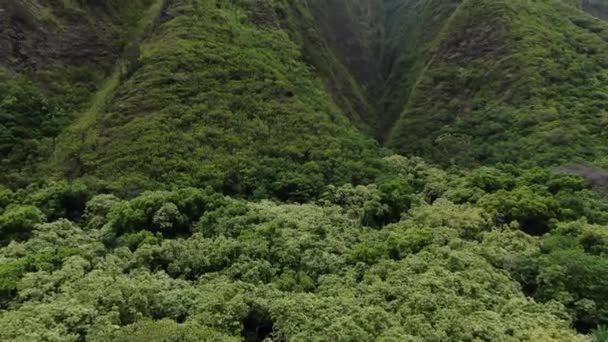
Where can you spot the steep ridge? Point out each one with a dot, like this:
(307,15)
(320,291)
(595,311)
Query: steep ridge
(457,82)
(467,82)
(36,35)
(220,96)
(53,55)
(354,31)
(511,81)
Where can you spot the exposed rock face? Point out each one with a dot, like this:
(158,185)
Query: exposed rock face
(54,55)
(597,8)
(595,176)
(30,40)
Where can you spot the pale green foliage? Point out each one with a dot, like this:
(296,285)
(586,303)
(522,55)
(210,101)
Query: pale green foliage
(162,331)
(301,271)
(98,208)
(17,222)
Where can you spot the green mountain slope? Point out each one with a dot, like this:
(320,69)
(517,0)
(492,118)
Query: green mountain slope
(458,82)
(511,81)
(218,98)
(341,40)
(411,27)
(54,55)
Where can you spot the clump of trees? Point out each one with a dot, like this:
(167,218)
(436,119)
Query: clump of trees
(421,255)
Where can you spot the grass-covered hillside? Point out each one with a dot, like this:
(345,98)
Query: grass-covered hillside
(53,56)
(511,81)
(217,96)
(229,170)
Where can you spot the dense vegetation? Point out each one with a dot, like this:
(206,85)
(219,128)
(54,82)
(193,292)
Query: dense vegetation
(206,170)
(194,263)
(511,81)
(251,118)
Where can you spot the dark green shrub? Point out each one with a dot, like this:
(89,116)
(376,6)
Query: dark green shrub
(17,222)
(62,200)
